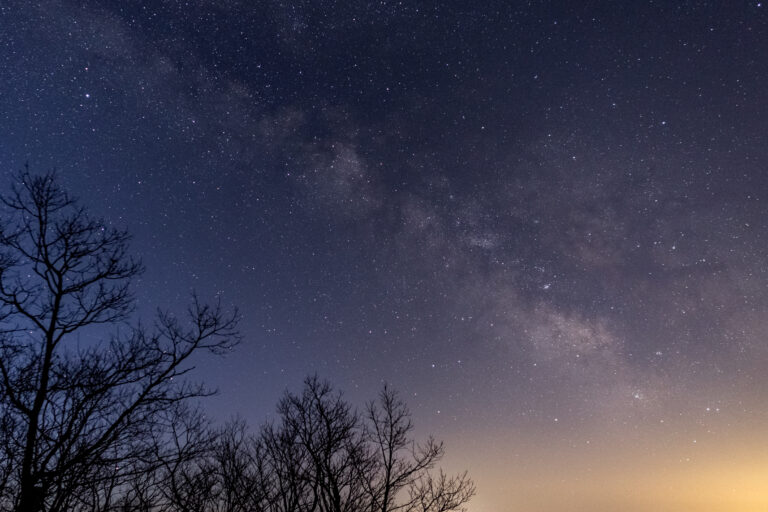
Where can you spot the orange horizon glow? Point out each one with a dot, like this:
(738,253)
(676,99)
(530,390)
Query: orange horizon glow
(641,474)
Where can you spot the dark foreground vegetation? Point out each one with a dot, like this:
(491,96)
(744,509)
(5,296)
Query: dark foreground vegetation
(93,424)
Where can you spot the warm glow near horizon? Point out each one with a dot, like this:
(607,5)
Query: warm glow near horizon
(726,470)
(543,486)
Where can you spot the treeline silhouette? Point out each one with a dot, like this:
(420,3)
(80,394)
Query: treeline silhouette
(113,425)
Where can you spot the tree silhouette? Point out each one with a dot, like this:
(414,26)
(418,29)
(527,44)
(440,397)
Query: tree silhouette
(78,421)
(108,425)
(397,473)
(323,456)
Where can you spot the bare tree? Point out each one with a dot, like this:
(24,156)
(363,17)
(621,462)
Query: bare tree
(323,456)
(439,494)
(396,462)
(327,431)
(246,480)
(73,416)
(320,456)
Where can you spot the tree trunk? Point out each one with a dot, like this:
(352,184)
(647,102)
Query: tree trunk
(31,497)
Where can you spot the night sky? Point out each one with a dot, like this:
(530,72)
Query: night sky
(545,223)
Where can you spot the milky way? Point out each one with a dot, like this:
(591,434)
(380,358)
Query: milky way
(544,224)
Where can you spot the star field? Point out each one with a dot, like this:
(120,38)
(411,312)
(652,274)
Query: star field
(543,222)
